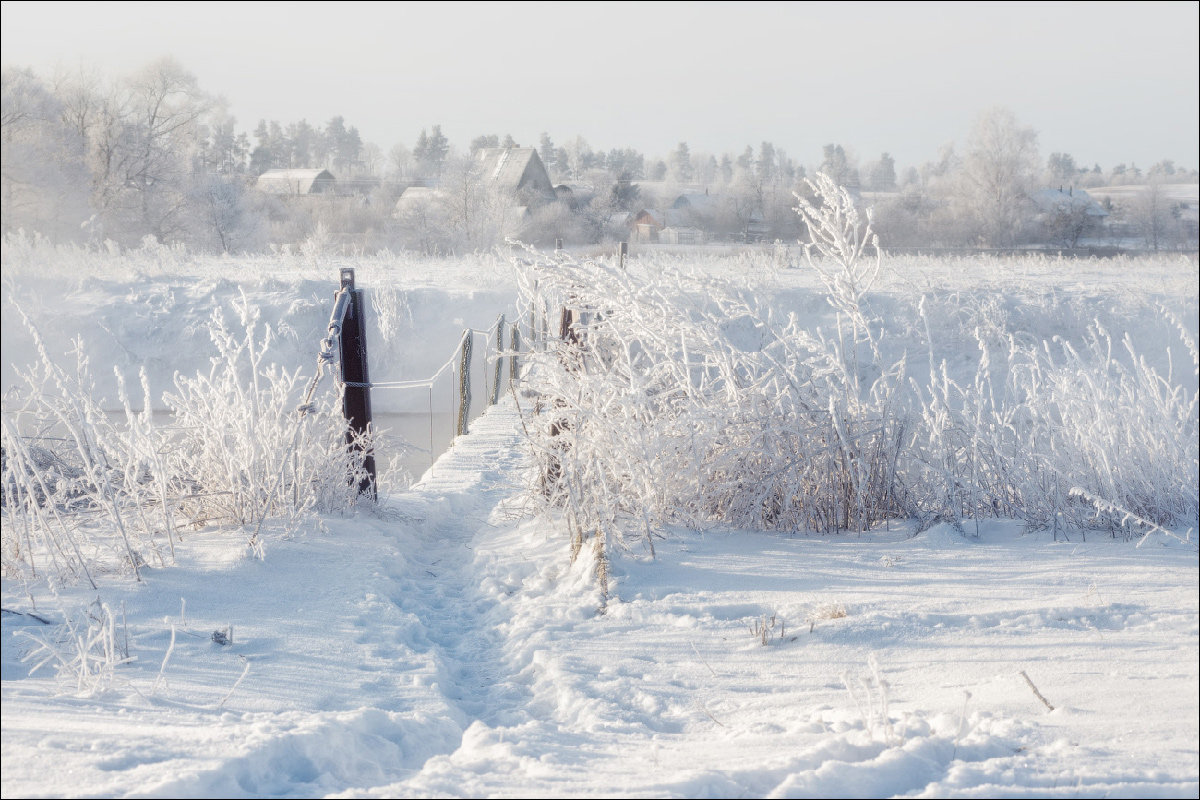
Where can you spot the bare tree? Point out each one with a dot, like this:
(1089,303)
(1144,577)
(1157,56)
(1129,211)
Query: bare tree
(998,172)
(1151,214)
(1067,221)
(44,174)
(400,160)
(163,105)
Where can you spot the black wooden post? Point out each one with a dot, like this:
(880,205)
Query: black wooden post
(622,251)
(356,402)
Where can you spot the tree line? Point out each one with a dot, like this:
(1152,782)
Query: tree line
(154,155)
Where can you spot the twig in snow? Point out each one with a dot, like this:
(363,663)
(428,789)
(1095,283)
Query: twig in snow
(1036,693)
(700,705)
(702,661)
(236,683)
(162,671)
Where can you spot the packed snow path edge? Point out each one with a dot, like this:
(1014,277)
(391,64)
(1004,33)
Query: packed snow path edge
(440,585)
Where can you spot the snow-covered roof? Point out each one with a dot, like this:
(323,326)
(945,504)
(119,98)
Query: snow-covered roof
(515,169)
(415,196)
(1051,199)
(295,181)
(696,201)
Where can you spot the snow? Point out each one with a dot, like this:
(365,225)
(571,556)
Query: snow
(444,643)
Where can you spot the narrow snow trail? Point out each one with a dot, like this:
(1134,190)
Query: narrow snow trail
(440,584)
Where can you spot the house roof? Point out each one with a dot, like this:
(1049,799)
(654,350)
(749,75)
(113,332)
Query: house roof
(697,201)
(515,168)
(662,219)
(1051,199)
(415,196)
(293,181)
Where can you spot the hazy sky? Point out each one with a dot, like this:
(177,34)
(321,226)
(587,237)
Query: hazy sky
(1105,82)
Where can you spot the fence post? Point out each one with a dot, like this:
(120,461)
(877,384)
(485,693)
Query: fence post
(356,399)
(464,384)
(622,251)
(569,333)
(514,366)
(499,360)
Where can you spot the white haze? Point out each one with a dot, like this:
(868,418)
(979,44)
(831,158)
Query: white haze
(1108,83)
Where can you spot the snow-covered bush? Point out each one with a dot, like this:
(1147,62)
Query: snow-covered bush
(677,399)
(664,395)
(1059,423)
(84,651)
(88,491)
(246,449)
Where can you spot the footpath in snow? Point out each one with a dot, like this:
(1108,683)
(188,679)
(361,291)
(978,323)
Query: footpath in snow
(446,646)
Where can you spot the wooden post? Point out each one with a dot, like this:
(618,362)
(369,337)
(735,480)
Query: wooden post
(499,361)
(356,400)
(622,251)
(573,336)
(514,366)
(557,245)
(464,384)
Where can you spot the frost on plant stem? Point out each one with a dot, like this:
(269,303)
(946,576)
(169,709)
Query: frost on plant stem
(848,259)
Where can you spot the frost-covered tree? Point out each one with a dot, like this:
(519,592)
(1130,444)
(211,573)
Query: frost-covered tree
(222,149)
(839,167)
(625,193)
(766,163)
(881,175)
(430,151)
(998,171)
(142,136)
(480,142)
(225,216)
(625,161)
(400,160)
(680,166)
(1150,211)
(575,158)
(726,169)
(345,146)
(44,183)
(548,153)
(1061,168)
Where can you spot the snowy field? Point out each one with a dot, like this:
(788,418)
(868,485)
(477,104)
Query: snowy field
(445,643)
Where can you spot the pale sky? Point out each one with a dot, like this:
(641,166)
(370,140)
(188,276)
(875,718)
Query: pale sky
(1105,82)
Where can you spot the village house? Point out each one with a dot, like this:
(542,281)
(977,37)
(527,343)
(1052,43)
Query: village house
(672,226)
(296,182)
(1067,215)
(517,172)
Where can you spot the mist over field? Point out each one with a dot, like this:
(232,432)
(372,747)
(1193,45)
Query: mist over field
(92,158)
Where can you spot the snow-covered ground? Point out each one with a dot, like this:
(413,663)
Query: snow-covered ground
(444,644)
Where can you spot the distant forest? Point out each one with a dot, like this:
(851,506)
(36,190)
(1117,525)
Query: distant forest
(90,160)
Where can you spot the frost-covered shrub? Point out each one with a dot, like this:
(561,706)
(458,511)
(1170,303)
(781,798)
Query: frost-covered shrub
(245,447)
(667,394)
(673,399)
(1053,424)
(88,491)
